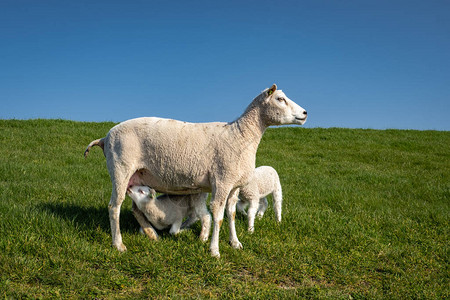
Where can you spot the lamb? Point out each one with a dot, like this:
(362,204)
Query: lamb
(177,157)
(169,210)
(264,181)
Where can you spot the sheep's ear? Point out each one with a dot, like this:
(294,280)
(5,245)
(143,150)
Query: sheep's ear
(272,89)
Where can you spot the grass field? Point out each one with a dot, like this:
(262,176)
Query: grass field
(365,215)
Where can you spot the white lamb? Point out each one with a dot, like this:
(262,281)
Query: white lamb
(169,210)
(265,181)
(177,157)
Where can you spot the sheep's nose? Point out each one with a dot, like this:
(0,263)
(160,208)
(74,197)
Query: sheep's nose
(305,113)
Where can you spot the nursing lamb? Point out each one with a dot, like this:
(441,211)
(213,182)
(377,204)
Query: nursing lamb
(187,158)
(169,210)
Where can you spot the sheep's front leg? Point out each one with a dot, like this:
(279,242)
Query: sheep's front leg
(217,205)
(143,222)
(231,212)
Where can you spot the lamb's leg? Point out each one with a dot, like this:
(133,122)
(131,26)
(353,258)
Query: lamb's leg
(202,212)
(253,207)
(262,207)
(217,205)
(175,228)
(145,225)
(191,219)
(277,202)
(206,226)
(241,205)
(231,213)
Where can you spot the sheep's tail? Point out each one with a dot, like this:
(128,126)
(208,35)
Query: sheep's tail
(277,200)
(99,142)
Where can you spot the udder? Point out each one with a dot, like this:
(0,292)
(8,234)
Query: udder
(136,179)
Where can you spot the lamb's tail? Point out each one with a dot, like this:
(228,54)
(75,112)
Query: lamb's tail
(99,142)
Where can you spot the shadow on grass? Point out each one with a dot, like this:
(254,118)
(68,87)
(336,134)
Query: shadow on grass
(90,218)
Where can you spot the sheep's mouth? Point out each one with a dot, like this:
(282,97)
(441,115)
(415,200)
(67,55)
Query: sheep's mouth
(300,119)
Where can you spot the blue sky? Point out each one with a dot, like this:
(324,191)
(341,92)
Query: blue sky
(356,64)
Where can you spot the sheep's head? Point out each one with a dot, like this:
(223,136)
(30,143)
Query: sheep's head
(278,109)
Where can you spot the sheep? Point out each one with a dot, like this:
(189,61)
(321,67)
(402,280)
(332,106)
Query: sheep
(168,210)
(264,181)
(178,157)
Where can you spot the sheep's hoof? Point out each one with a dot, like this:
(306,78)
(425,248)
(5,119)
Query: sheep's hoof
(251,229)
(236,244)
(121,247)
(203,238)
(215,253)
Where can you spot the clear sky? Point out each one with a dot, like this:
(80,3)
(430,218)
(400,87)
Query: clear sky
(357,64)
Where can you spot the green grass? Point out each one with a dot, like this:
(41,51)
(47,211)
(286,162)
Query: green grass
(365,215)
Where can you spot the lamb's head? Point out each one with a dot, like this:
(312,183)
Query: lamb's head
(278,109)
(139,193)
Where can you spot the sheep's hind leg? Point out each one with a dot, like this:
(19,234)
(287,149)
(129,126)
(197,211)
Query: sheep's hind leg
(145,225)
(117,198)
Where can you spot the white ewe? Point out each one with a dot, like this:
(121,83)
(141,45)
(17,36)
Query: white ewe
(176,157)
(264,181)
(168,210)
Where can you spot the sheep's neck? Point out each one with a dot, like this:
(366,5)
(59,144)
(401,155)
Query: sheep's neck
(251,126)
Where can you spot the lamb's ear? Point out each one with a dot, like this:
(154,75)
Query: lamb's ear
(272,89)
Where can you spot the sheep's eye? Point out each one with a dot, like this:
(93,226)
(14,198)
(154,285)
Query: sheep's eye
(281,99)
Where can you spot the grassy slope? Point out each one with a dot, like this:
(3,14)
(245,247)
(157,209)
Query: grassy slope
(365,214)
